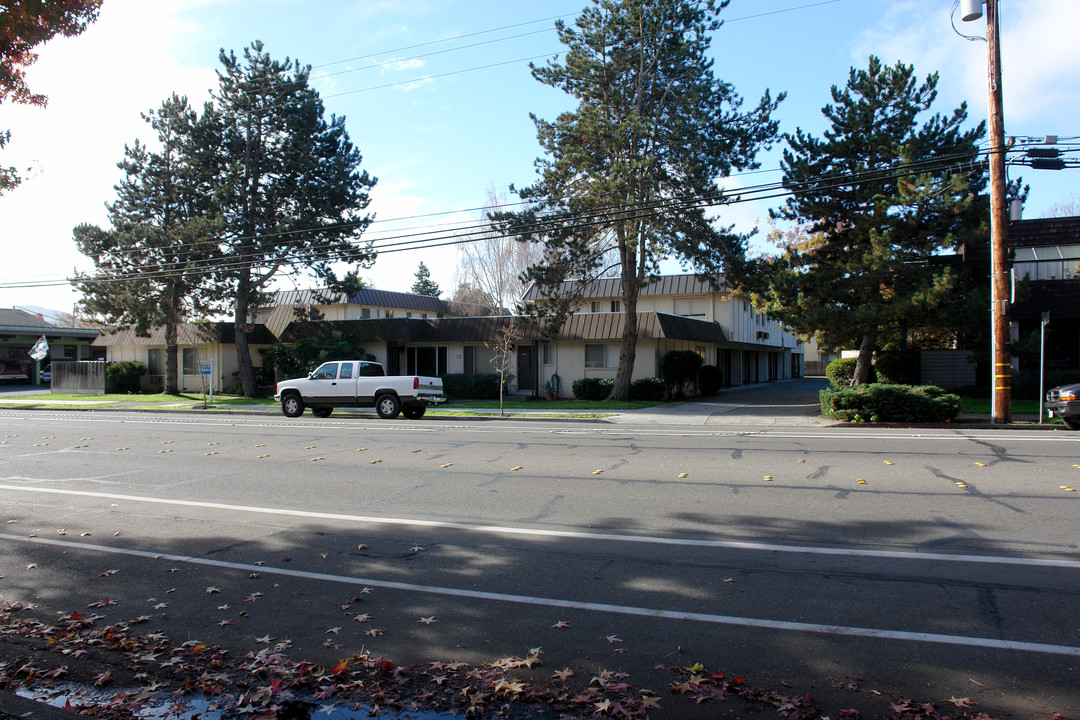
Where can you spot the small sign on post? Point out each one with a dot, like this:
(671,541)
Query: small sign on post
(206,367)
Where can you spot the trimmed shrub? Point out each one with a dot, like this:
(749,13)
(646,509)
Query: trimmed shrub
(123,377)
(592,388)
(889,403)
(679,369)
(710,379)
(459,386)
(897,368)
(841,371)
(647,389)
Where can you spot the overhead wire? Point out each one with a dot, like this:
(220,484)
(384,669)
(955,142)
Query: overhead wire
(407,242)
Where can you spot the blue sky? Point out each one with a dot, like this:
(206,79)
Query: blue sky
(437,96)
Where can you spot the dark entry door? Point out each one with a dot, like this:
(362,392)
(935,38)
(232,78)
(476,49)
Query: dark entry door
(526,368)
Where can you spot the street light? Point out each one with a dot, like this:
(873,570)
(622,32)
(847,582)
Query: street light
(999,270)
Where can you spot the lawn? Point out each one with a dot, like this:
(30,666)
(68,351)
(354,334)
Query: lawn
(981,406)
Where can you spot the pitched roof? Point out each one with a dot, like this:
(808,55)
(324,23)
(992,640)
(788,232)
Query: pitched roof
(190,334)
(14,317)
(20,322)
(586,326)
(612,287)
(1044,231)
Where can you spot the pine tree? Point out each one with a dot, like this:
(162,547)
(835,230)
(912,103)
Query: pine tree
(152,263)
(290,190)
(880,198)
(424,285)
(629,173)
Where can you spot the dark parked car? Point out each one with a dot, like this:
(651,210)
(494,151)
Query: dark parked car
(1064,402)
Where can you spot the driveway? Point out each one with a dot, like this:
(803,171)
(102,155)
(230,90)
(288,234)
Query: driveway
(782,403)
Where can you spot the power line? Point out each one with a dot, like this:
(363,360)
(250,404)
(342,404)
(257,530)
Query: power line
(411,241)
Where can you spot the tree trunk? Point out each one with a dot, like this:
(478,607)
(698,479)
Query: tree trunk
(628,351)
(172,341)
(865,364)
(243,354)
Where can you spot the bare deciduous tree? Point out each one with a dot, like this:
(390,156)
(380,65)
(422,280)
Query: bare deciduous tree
(492,265)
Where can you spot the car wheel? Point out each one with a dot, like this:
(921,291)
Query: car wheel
(1072,422)
(292,405)
(388,406)
(414,412)
(322,412)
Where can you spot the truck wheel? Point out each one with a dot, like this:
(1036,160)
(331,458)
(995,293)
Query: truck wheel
(414,412)
(1072,422)
(292,405)
(322,412)
(388,406)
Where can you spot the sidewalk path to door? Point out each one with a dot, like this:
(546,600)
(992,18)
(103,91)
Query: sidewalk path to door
(783,403)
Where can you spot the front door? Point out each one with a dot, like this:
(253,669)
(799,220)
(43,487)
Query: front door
(526,368)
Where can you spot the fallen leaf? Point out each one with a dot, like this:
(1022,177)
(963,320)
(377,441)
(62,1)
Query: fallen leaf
(515,468)
(861,481)
(374,632)
(597,472)
(563,674)
(427,620)
(961,702)
(446,465)
(768,478)
(561,625)
(682,475)
(612,639)
(211,590)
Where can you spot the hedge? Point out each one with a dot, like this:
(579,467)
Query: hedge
(841,371)
(123,377)
(897,368)
(889,403)
(680,369)
(592,388)
(648,389)
(459,386)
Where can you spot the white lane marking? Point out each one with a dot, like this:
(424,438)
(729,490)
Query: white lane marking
(905,636)
(571,534)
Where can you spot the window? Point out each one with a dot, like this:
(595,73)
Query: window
(549,353)
(365,313)
(594,306)
(154,364)
(371,370)
(326,371)
(346,371)
(190,361)
(616,306)
(69,351)
(690,307)
(700,350)
(408,314)
(426,360)
(389,313)
(595,356)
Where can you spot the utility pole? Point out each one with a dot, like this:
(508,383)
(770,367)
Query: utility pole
(1001,411)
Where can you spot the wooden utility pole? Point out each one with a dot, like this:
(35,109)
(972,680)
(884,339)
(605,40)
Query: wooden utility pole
(1001,411)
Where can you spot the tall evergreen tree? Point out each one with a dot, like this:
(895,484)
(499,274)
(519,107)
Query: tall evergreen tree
(424,285)
(290,190)
(881,196)
(629,173)
(152,263)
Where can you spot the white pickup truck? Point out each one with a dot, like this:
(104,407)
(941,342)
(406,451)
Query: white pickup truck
(359,383)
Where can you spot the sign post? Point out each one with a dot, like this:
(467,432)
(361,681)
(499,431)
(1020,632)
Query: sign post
(206,368)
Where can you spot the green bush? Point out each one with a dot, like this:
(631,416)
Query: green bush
(679,369)
(897,368)
(648,389)
(592,388)
(123,377)
(710,379)
(840,372)
(889,403)
(301,357)
(471,387)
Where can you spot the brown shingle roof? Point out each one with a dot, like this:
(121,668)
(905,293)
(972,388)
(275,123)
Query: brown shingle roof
(1044,231)
(612,287)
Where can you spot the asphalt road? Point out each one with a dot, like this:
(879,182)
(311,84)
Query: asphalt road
(859,566)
